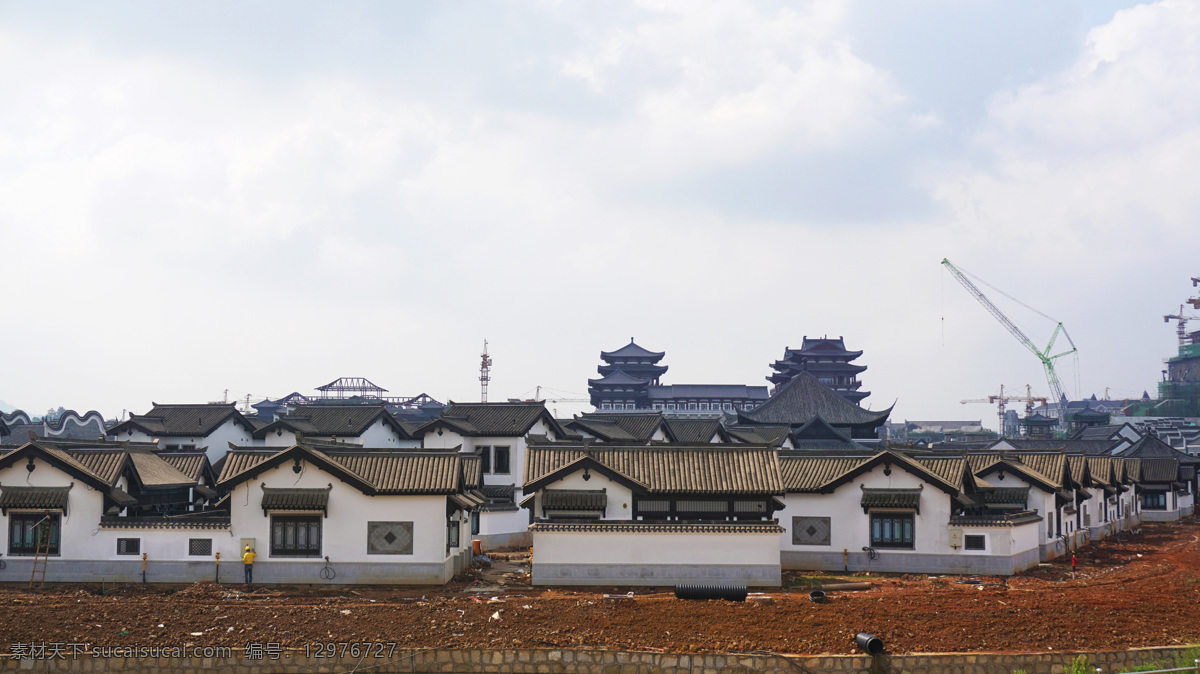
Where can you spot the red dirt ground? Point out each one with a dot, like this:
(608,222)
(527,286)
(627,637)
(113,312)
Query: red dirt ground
(1130,591)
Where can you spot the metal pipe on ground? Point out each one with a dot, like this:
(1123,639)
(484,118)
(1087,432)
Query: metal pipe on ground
(869,643)
(726,592)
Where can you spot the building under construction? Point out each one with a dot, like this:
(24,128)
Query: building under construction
(1179,390)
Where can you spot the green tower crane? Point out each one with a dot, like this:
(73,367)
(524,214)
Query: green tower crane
(1047,360)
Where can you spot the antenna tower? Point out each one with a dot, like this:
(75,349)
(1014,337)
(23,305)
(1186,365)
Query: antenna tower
(485,373)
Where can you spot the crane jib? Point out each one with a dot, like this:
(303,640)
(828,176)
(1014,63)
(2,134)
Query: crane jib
(1056,389)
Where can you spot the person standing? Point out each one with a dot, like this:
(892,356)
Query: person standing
(248,560)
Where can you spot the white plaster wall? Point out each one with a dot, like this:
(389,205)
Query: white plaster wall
(501,522)
(850,526)
(599,547)
(619,502)
(344,531)
(218,441)
(1037,499)
(380,435)
(133,435)
(446,440)
(164,544)
(82,518)
(281,437)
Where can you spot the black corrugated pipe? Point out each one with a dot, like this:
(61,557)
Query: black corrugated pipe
(726,592)
(817,596)
(869,643)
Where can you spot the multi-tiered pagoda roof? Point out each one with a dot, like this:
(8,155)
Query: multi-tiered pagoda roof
(634,361)
(828,360)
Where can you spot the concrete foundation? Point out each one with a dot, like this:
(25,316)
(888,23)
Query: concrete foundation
(908,562)
(654,574)
(1161,515)
(266,571)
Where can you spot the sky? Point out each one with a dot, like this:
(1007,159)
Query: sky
(201,200)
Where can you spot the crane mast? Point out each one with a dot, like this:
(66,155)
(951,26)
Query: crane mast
(1043,355)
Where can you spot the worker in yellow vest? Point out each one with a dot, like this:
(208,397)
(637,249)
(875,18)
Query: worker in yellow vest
(248,560)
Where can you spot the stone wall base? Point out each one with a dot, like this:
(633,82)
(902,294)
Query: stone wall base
(548,661)
(891,561)
(266,571)
(758,575)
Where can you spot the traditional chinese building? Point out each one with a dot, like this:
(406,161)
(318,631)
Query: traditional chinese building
(631,380)
(828,360)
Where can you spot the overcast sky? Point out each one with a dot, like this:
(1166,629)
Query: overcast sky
(263,197)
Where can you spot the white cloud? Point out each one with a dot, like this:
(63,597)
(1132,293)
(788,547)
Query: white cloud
(726,83)
(1095,160)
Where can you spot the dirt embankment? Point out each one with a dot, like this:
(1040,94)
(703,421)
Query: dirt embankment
(1133,590)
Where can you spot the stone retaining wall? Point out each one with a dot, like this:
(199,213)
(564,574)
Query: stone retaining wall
(549,661)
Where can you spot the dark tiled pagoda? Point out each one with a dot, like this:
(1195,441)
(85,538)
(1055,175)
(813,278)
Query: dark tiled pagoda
(634,361)
(631,381)
(828,360)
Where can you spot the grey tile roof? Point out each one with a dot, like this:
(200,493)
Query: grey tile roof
(1159,470)
(472,471)
(659,527)
(639,425)
(406,472)
(50,498)
(605,430)
(1005,496)
(671,469)
(810,474)
(693,431)
(1079,469)
(890,498)
(952,470)
(574,499)
(996,519)
(1150,446)
(295,499)
(619,378)
(759,434)
(183,420)
(1052,467)
(334,420)
(153,471)
(804,398)
(375,472)
(1102,469)
(1085,446)
(496,419)
(189,463)
(631,350)
(106,464)
(206,521)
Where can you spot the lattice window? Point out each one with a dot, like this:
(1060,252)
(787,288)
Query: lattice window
(129,546)
(810,530)
(975,542)
(200,547)
(703,506)
(27,530)
(296,536)
(750,506)
(389,538)
(892,531)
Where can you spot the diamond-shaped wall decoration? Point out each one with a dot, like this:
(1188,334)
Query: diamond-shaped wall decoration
(389,538)
(810,531)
